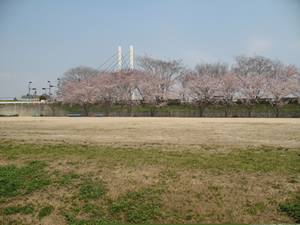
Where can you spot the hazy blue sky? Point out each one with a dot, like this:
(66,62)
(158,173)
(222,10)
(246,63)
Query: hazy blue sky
(42,39)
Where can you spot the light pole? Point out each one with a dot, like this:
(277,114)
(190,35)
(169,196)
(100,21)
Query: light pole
(49,87)
(29,90)
(58,86)
(34,89)
(45,89)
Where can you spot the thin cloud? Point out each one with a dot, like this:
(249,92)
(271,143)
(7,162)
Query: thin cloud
(5,76)
(258,46)
(298,46)
(194,57)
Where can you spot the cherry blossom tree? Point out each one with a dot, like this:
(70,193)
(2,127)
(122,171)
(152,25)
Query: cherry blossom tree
(280,86)
(127,82)
(105,87)
(77,86)
(199,90)
(82,93)
(227,90)
(151,91)
(252,72)
(252,89)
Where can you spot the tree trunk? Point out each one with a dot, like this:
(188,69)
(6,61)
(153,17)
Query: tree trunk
(86,109)
(107,110)
(268,108)
(152,111)
(201,109)
(277,111)
(249,109)
(226,110)
(130,110)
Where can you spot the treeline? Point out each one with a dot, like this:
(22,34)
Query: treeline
(157,83)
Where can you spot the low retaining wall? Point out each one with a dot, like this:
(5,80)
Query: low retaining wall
(30,109)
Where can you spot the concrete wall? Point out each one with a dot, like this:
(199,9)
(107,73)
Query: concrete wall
(30,109)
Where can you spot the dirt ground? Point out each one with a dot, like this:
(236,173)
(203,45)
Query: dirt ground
(230,132)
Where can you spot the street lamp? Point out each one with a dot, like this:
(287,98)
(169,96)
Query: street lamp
(29,90)
(58,86)
(50,88)
(34,89)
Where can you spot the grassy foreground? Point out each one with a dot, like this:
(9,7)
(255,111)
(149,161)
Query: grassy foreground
(95,184)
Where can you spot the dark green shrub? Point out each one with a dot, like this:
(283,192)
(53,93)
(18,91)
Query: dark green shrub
(43,97)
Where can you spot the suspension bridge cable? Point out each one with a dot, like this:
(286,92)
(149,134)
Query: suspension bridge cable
(125,62)
(112,68)
(107,68)
(135,62)
(106,61)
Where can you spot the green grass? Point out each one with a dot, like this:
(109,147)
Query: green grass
(93,189)
(265,158)
(24,180)
(45,211)
(67,178)
(26,209)
(292,208)
(137,206)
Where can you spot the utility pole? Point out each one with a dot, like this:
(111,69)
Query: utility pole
(120,58)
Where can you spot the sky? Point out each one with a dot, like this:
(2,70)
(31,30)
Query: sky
(41,40)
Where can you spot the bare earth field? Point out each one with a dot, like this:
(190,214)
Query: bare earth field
(160,170)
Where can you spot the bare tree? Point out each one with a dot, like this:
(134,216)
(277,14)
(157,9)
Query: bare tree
(79,73)
(166,71)
(256,66)
(213,69)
